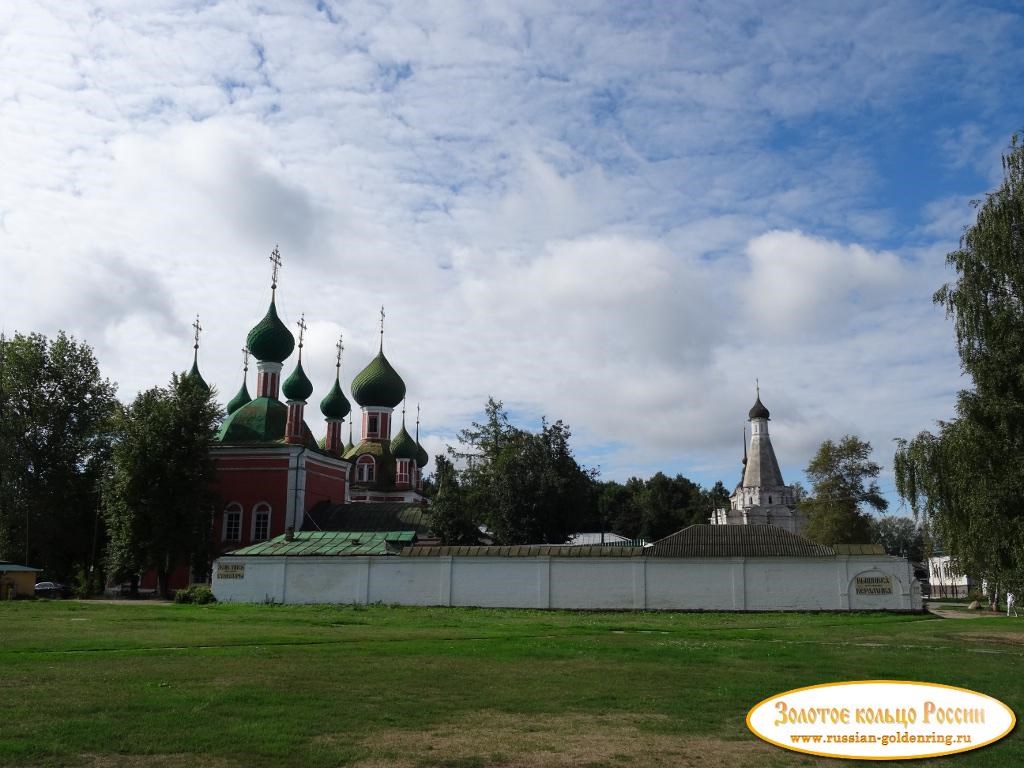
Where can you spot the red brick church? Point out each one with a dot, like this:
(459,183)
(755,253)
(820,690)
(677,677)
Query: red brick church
(273,476)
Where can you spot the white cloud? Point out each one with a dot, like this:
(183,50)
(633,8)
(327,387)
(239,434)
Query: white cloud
(810,286)
(615,215)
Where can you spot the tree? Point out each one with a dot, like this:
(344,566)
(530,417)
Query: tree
(527,487)
(842,476)
(901,536)
(964,481)
(717,497)
(450,516)
(56,414)
(618,508)
(157,499)
(668,505)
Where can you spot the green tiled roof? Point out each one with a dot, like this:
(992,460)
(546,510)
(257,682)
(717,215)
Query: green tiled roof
(297,386)
(335,405)
(385,475)
(259,421)
(378,384)
(270,340)
(421,456)
(367,516)
(381,449)
(330,544)
(239,399)
(403,446)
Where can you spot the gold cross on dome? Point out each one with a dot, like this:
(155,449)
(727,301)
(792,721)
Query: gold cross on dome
(302,328)
(245,358)
(197,328)
(340,346)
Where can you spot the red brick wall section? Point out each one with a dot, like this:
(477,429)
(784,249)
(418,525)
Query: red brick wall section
(250,481)
(323,483)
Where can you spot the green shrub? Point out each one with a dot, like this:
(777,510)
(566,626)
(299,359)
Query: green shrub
(199,594)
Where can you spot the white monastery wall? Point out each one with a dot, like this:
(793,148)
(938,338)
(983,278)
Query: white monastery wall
(751,584)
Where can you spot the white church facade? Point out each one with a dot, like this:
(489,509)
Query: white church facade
(761,497)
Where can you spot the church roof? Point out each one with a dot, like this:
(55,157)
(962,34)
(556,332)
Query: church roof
(261,421)
(762,468)
(270,340)
(335,405)
(197,377)
(403,446)
(758,411)
(297,386)
(421,456)
(330,544)
(737,541)
(241,398)
(367,516)
(378,384)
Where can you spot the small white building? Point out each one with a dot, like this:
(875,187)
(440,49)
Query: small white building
(945,579)
(761,497)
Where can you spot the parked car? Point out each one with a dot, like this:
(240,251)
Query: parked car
(51,589)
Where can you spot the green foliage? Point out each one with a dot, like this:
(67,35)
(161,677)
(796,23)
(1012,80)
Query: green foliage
(55,438)
(527,487)
(901,536)
(964,481)
(450,516)
(668,504)
(198,594)
(843,479)
(157,500)
(619,508)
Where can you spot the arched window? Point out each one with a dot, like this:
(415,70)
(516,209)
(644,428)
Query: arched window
(365,467)
(232,529)
(261,522)
(403,471)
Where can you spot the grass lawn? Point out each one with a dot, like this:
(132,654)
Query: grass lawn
(175,686)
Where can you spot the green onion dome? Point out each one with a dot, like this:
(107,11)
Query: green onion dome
(297,386)
(403,446)
(239,399)
(197,377)
(421,456)
(259,421)
(335,405)
(378,384)
(758,411)
(270,340)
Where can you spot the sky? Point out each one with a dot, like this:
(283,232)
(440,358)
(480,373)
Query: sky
(620,215)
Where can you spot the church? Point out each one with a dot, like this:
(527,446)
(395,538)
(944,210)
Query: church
(307,521)
(761,497)
(274,477)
